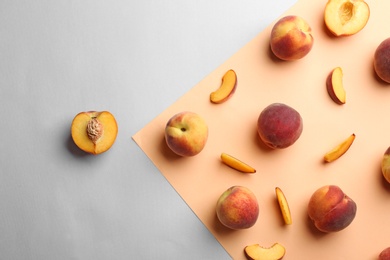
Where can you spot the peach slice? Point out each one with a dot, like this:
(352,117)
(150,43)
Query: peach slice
(346,17)
(335,87)
(257,252)
(339,150)
(94,132)
(236,164)
(227,88)
(284,208)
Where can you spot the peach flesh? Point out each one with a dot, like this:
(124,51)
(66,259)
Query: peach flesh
(330,209)
(346,17)
(279,126)
(334,86)
(86,136)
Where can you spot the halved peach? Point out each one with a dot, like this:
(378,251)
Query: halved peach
(284,208)
(346,17)
(94,132)
(227,88)
(257,252)
(335,87)
(339,150)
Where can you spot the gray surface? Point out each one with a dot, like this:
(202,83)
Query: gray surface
(133,58)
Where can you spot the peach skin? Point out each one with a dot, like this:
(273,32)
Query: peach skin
(382,60)
(291,38)
(385,165)
(237,208)
(330,209)
(279,126)
(335,86)
(186,133)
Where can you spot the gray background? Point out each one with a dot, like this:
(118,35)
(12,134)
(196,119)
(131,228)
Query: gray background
(133,58)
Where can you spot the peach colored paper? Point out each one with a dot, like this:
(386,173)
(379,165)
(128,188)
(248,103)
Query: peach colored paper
(298,170)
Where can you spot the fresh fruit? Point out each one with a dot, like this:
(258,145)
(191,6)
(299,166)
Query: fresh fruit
(330,209)
(257,252)
(236,164)
(291,38)
(186,133)
(279,125)
(346,17)
(284,208)
(94,132)
(385,254)
(335,87)
(386,165)
(237,208)
(227,88)
(382,60)
(339,150)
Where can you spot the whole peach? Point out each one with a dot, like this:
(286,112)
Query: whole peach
(186,133)
(382,60)
(386,165)
(330,209)
(237,208)
(385,254)
(291,38)
(279,125)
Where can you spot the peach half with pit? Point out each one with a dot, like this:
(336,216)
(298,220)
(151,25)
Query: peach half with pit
(186,133)
(346,17)
(382,60)
(279,125)
(330,209)
(291,38)
(94,132)
(237,208)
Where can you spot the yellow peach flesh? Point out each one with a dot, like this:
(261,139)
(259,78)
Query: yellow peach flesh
(339,150)
(80,135)
(257,252)
(335,86)
(346,17)
(227,88)
(284,208)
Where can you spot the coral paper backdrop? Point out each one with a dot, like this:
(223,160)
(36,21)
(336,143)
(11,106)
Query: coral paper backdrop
(298,170)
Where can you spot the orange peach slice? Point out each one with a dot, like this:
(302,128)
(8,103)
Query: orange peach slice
(284,208)
(227,88)
(236,164)
(346,17)
(335,87)
(94,132)
(339,150)
(257,252)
